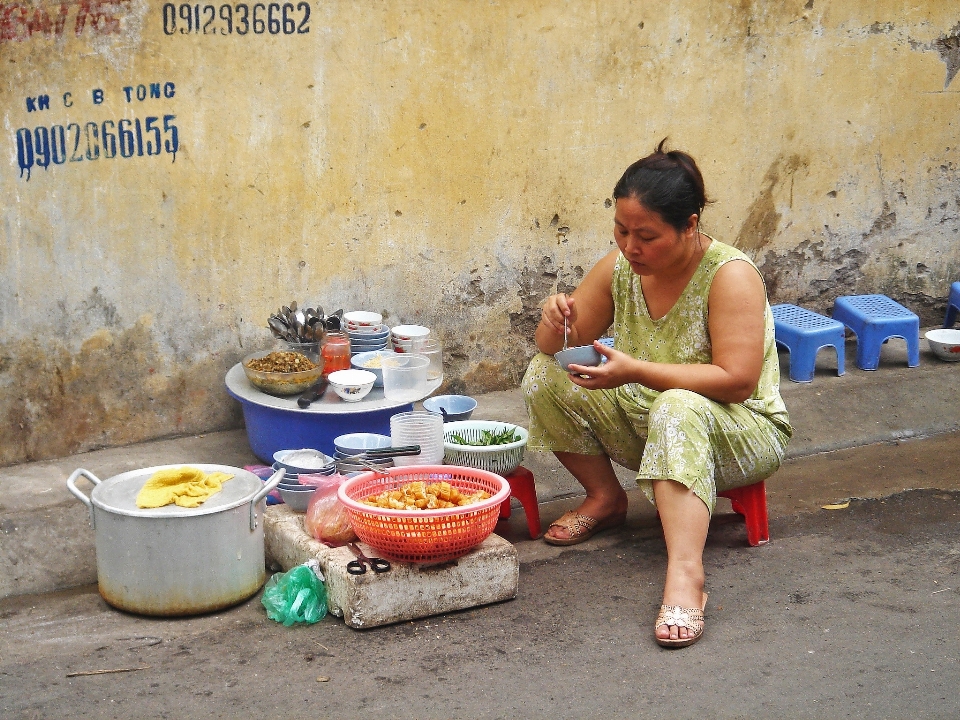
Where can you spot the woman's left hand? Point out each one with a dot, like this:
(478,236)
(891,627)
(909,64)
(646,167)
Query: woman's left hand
(619,369)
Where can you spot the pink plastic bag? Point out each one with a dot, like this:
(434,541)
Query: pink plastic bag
(326,518)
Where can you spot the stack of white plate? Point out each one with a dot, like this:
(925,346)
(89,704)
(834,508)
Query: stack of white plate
(368,339)
(422,428)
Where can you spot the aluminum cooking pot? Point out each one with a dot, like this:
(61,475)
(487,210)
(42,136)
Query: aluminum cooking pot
(172,560)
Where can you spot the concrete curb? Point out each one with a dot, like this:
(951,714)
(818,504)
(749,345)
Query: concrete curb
(48,544)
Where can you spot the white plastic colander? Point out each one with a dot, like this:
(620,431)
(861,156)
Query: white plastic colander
(500,459)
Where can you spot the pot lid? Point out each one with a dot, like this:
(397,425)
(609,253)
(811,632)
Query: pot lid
(118,494)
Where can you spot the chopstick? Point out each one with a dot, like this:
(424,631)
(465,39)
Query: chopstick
(390,452)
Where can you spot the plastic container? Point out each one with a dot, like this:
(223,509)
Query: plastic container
(424,536)
(430,348)
(418,427)
(405,376)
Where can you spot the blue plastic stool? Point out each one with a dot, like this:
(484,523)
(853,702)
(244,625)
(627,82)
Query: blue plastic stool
(953,305)
(875,319)
(804,333)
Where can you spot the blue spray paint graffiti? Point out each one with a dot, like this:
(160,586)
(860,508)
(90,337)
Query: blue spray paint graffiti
(57,144)
(125,138)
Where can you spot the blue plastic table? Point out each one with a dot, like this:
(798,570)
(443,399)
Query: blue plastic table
(278,423)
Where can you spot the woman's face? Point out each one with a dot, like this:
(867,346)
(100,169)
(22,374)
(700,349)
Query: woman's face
(650,244)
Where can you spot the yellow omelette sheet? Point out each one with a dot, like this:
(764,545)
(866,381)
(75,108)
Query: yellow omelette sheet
(186,486)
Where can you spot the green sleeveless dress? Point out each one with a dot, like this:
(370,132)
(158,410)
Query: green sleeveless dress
(673,435)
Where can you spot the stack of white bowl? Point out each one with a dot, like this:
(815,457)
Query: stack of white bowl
(408,338)
(366,331)
(422,428)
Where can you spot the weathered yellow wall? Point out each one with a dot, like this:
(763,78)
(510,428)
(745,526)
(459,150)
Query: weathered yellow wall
(445,162)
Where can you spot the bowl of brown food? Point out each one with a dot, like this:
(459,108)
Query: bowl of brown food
(281,372)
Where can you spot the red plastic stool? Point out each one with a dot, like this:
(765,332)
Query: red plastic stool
(523,489)
(751,502)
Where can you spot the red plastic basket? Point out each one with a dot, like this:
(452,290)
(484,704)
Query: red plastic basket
(424,536)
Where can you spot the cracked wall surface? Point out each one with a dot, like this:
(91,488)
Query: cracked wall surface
(172,173)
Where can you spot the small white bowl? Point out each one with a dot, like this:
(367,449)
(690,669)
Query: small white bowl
(363,319)
(408,332)
(945,343)
(352,385)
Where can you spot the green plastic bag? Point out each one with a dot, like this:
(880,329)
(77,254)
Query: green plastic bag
(297,596)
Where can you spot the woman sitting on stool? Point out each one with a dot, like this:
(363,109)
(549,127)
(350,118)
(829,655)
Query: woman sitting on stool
(688,396)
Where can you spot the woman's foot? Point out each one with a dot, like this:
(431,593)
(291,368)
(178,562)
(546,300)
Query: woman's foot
(680,622)
(678,626)
(593,516)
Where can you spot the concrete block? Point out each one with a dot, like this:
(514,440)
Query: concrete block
(489,573)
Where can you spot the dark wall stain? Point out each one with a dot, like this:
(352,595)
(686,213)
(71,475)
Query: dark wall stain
(948,47)
(760,226)
(885,221)
(536,284)
(781,272)
(902,281)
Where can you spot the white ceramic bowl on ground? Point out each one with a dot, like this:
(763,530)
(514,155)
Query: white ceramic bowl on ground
(945,343)
(352,385)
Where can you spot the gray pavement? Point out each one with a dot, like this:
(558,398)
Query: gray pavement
(846,613)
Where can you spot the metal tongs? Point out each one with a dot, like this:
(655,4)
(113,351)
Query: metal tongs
(368,458)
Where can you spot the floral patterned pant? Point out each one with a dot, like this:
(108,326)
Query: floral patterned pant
(705,445)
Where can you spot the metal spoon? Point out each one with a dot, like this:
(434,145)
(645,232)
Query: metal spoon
(566,332)
(276,327)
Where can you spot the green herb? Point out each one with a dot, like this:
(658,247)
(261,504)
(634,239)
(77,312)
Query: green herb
(500,437)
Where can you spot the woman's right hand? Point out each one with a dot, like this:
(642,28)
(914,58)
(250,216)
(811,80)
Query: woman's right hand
(555,309)
(589,310)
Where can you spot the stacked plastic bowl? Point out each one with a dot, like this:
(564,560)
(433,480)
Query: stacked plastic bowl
(300,462)
(366,331)
(422,428)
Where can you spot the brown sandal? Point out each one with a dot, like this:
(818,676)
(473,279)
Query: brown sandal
(690,618)
(581,527)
